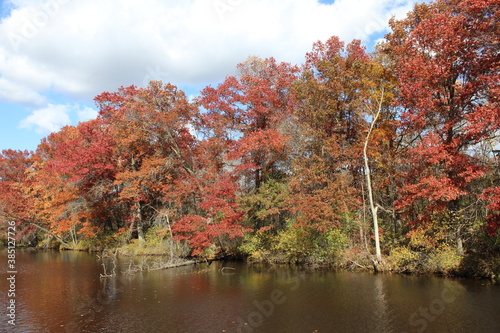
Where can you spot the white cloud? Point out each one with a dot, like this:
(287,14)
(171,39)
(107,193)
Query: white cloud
(13,92)
(54,116)
(86,113)
(47,119)
(81,48)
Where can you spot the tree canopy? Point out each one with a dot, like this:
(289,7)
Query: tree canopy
(281,161)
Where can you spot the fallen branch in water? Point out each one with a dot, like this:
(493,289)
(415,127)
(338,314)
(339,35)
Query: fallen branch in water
(105,255)
(156,266)
(184,263)
(222,269)
(361,266)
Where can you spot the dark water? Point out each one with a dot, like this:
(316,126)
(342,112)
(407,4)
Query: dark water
(62,292)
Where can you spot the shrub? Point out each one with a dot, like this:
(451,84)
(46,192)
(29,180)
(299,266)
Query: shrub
(444,259)
(402,259)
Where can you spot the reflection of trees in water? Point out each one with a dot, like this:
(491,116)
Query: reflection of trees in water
(383,315)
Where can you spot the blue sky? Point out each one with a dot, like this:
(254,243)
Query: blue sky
(57,55)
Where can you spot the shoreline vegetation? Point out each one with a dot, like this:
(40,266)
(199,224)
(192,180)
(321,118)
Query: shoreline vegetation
(385,161)
(151,258)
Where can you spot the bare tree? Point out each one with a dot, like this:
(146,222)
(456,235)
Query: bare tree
(373,207)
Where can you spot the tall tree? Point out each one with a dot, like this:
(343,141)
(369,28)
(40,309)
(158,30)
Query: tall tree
(340,94)
(72,181)
(447,62)
(154,148)
(330,126)
(248,112)
(14,178)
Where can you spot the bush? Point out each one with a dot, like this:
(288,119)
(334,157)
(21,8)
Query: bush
(295,245)
(337,242)
(401,259)
(444,259)
(155,243)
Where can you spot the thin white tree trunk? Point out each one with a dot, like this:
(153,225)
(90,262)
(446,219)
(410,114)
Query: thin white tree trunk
(373,208)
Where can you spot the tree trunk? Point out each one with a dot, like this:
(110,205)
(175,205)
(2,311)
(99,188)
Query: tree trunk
(373,208)
(138,221)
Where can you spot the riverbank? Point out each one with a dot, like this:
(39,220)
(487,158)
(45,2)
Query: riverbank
(402,262)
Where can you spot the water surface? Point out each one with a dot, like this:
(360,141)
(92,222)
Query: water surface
(63,292)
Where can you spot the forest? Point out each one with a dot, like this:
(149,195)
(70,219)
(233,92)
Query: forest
(388,159)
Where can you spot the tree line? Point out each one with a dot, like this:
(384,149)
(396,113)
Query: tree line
(389,156)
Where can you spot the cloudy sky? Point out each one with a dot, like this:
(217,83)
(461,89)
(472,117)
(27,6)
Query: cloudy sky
(57,55)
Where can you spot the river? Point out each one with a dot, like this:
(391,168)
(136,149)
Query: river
(63,292)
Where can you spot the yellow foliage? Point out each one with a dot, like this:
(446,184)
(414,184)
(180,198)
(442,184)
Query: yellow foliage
(444,259)
(402,259)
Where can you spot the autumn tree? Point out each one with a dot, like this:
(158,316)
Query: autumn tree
(13,166)
(340,93)
(248,113)
(14,205)
(447,63)
(217,220)
(166,177)
(153,147)
(247,116)
(71,182)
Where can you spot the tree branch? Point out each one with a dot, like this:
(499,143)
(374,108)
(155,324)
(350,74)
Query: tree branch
(13,217)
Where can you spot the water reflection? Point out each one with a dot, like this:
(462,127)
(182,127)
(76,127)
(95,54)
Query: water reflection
(382,315)
(62,292)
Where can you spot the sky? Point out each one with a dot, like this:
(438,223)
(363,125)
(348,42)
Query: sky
(57,55)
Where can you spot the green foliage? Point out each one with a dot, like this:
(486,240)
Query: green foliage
(331,245)
(267,207)
(257,246)
(48,242)
(155,243)
(296,245)
(444,259)
(403,259)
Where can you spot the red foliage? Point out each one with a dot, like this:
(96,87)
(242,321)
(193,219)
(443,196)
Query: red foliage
(219,217)
(246,114)
(448,72)
(14,178)
(493,196)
